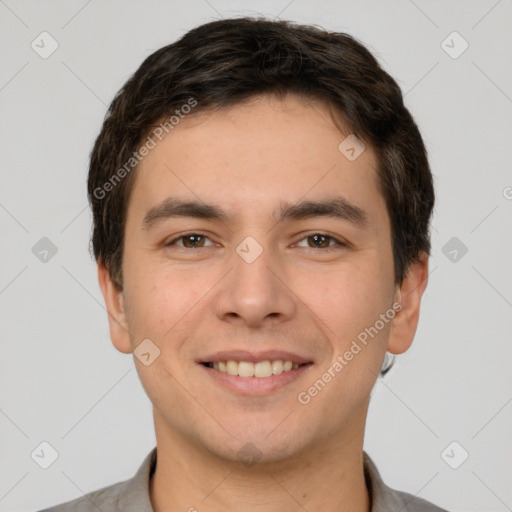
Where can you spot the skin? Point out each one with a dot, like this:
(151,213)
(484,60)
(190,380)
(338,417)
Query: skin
(294,297)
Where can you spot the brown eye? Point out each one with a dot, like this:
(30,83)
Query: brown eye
(190,241)
(320,241)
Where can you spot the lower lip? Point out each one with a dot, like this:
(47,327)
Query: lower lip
(254,386)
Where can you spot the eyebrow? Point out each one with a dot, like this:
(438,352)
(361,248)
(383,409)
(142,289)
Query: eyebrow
(337,207)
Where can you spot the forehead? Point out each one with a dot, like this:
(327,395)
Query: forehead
(254,156)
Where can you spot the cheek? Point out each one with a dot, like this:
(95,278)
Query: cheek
(163,300)
(347,300)
(151,298)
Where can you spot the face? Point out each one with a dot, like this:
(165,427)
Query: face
(230,269)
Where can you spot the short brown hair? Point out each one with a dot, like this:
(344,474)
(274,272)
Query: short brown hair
(222,63)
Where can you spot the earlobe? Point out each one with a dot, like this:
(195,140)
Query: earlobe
(114,302)
(409,294)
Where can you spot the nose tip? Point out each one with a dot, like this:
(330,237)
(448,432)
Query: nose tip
(252,293)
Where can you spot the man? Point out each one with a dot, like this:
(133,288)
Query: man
(261,202)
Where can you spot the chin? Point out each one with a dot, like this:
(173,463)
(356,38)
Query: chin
(250,452)
(264,443)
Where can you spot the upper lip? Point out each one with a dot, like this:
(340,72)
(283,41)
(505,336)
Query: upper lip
(254,357)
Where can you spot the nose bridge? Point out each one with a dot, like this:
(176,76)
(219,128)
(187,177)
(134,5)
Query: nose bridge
(253,292)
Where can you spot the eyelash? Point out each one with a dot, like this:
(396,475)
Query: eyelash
(338,243)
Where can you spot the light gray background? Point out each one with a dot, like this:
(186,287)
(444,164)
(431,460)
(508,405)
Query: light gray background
(62,380)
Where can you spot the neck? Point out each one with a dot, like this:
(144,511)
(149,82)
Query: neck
(327,477)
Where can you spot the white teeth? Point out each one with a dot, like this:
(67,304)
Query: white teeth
(260,370)
(232,367)
(277,367)
(263,369)
(245,369)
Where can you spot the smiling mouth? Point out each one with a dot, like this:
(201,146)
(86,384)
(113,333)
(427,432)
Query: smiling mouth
(262,369)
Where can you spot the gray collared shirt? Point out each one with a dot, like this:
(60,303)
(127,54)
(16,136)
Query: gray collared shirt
(133,495)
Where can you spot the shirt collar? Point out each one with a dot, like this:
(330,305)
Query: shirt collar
(135,495)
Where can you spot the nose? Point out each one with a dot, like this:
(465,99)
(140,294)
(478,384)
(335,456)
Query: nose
(255,293)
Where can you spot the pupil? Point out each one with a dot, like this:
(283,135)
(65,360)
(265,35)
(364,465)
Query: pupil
(317,238)
(193,239)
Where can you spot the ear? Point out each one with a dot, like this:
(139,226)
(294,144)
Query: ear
(116,313)
(405,322)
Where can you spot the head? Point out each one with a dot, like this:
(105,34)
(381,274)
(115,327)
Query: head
(296,138)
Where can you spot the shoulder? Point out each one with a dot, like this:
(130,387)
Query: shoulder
(130,495)
(414,504)
(105,499)
(386,499)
